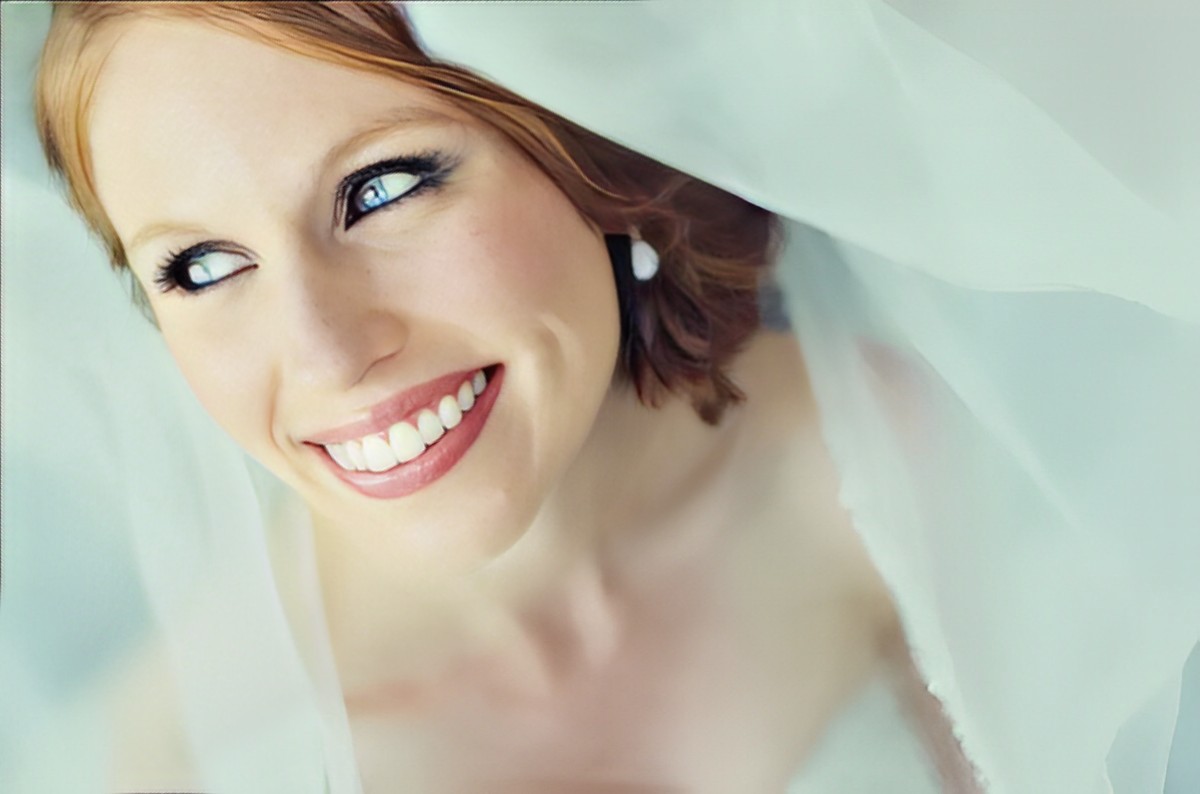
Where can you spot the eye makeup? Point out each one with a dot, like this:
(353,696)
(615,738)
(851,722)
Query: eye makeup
(358,195)
(181,268)
(430,168)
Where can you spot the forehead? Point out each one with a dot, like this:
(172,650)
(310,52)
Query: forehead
(179,98)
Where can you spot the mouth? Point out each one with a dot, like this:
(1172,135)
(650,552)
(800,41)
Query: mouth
(418,449)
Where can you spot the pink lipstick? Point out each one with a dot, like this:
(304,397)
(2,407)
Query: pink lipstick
(439,457)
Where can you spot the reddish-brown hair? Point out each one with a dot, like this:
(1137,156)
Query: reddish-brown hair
(680,331)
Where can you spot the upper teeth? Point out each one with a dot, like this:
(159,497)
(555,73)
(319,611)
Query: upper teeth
(405,441)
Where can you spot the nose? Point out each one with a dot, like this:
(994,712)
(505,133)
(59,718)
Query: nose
(336,324)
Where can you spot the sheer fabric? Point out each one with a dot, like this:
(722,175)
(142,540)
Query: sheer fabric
(991,269)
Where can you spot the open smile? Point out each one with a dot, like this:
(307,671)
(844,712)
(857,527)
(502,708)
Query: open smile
(434,427)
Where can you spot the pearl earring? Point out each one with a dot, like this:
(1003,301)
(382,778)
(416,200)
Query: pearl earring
(643,256)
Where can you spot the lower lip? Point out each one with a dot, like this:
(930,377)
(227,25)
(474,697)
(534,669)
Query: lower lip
(434,462)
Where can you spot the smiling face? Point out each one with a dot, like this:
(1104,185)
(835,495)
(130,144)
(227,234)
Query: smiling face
(328,252)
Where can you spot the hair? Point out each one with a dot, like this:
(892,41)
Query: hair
(680,331)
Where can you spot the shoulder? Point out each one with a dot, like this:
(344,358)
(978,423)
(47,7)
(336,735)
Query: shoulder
(793,505)
(808,592)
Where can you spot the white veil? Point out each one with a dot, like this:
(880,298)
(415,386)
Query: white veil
(993,270)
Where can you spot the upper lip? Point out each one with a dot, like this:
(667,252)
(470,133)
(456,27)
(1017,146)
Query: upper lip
(396,408)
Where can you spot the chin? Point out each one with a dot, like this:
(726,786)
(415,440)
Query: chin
(434,534)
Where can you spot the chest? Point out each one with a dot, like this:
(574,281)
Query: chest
(714,687)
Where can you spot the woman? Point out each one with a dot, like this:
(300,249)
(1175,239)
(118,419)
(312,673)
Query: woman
(543,593)
(508,541)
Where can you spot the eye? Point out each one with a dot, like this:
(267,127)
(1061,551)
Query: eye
(200,267)
(383,190)
(388,181)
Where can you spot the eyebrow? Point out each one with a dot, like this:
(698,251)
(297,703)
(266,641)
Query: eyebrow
(407,116)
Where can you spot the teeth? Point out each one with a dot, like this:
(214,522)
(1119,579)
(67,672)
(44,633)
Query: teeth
(338,453)
(429,426)
(466,397)
(355,452)
(378,454)
(449,412)
(405,441)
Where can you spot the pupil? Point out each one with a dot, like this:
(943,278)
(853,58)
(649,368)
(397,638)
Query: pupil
(372,197)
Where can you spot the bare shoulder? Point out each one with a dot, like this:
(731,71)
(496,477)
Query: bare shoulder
(807,593)
(792,487)
(823,574)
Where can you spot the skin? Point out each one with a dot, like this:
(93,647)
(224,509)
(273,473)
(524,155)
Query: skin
(487,623)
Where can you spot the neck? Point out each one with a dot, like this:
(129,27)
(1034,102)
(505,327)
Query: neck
(638,470)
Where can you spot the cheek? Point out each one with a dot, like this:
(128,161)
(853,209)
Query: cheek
(536,289)
(528,256)
(229,384)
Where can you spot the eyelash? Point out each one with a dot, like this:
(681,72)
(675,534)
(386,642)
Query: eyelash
(431,167)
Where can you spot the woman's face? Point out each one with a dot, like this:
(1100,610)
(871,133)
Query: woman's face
(331,255)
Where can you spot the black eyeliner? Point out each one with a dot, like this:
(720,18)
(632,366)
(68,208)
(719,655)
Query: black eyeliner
(428,165)
(171,273)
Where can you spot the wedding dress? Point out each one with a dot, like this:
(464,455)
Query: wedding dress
(992,269)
